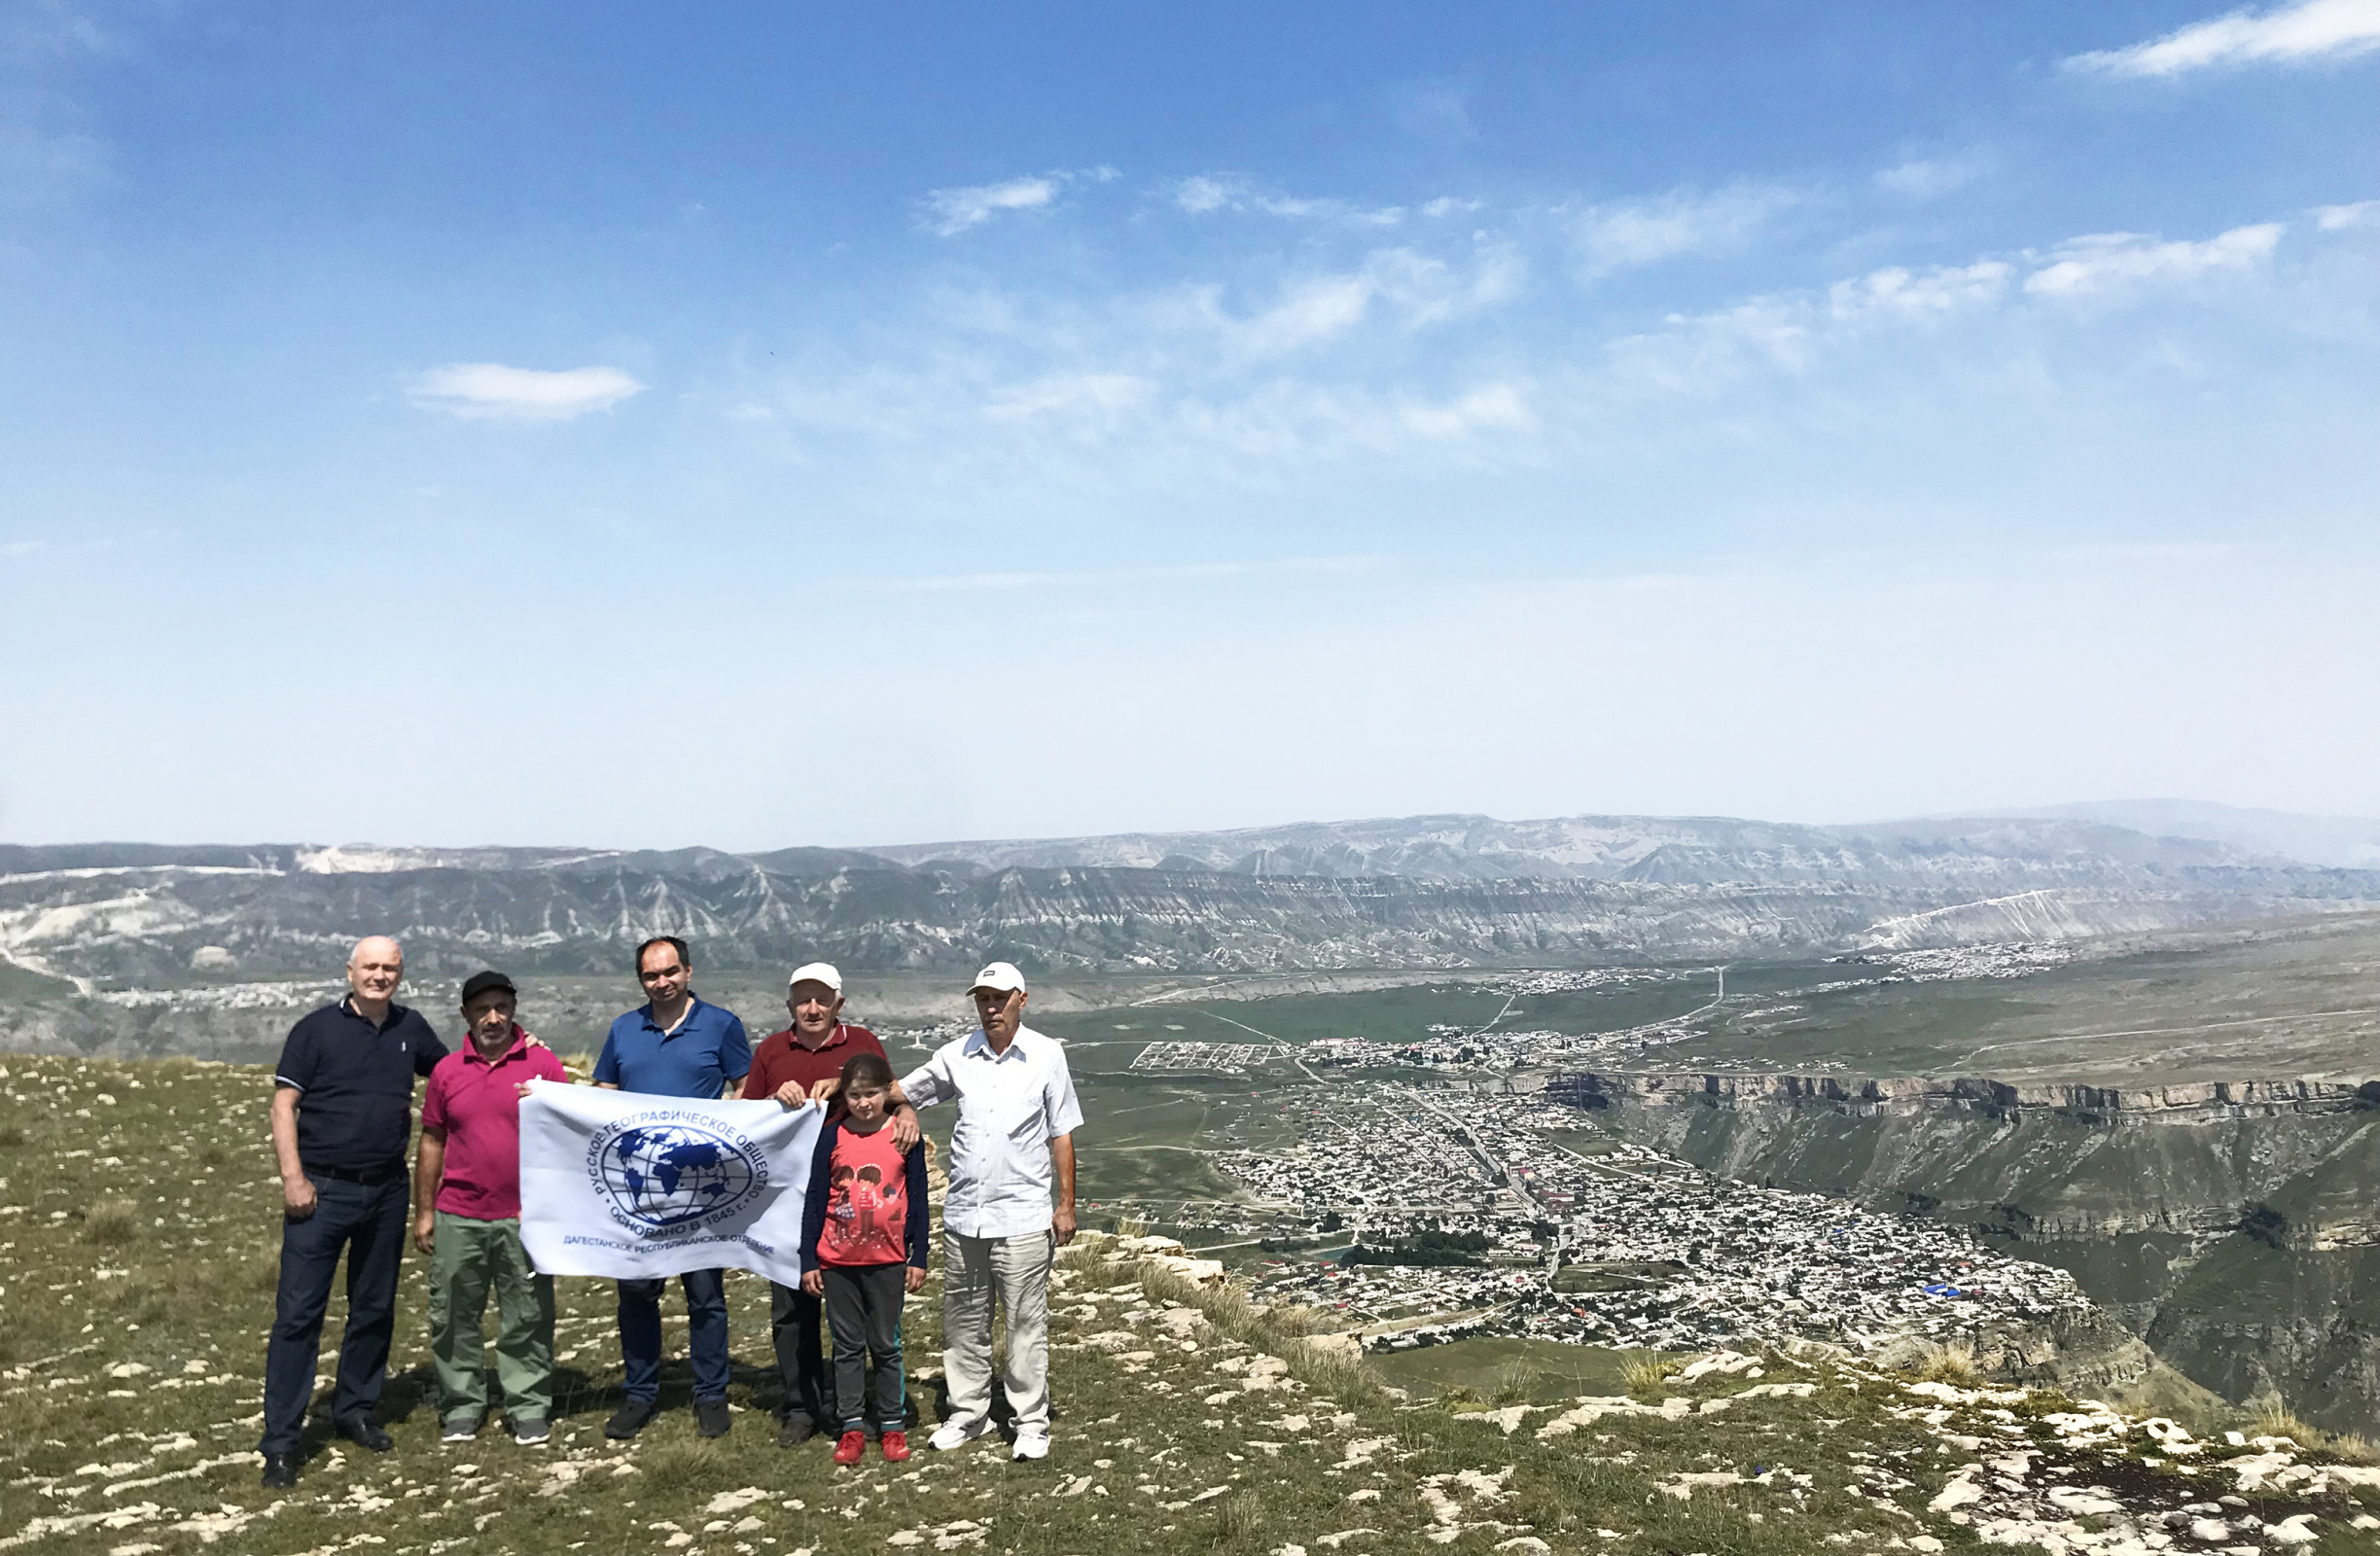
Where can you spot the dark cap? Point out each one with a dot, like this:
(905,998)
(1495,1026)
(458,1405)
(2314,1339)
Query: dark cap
(479,983)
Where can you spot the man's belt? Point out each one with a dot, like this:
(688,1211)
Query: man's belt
(369,1177)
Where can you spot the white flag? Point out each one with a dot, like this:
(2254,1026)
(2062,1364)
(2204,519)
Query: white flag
(631,1186)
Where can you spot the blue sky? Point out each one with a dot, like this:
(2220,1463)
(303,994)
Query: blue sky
(759,425)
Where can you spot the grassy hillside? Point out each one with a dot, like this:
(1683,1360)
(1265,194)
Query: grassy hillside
(138,1216)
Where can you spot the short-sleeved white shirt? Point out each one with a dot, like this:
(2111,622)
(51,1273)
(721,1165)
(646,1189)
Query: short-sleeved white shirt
(1010,1105)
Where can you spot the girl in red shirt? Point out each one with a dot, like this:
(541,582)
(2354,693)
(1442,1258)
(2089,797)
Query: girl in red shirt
(865,1230)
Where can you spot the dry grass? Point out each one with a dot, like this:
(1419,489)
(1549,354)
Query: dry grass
(112,1222)
(1240,1520)
(1954,1363)
(2277,1420)
(11,1136)
(1288,1318)
(1516,1383)
(1329,1371)
(1649,1376)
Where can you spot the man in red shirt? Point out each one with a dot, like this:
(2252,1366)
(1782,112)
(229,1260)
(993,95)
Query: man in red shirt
(802,1065)
(466,1218)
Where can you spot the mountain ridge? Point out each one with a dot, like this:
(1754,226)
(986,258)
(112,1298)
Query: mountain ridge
(1467,892)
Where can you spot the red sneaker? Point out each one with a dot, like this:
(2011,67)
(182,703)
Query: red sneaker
(848,1450)
(896,1446)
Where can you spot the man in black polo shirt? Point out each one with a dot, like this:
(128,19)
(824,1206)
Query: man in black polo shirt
(343,1111)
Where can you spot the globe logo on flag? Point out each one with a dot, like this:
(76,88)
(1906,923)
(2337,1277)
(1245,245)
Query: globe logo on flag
(662,1176)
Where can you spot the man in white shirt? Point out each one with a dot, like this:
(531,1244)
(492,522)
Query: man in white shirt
(1001,1227)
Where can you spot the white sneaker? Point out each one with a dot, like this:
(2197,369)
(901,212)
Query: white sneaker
(1031,1445)
(958,1433)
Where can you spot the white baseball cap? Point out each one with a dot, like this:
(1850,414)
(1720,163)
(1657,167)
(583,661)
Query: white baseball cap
(816,973)
(1000,977)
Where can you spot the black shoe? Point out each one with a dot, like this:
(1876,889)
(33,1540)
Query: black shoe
(280,1471)
(711,1417)
(360,1431)
(796,1429)
(630,1419)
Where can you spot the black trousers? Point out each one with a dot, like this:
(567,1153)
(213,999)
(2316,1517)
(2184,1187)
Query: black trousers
(864,1309)
(793,1330)
(368,1224)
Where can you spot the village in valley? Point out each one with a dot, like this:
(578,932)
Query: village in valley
(1414,1213)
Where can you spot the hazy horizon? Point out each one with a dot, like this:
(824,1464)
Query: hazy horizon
(2074,810)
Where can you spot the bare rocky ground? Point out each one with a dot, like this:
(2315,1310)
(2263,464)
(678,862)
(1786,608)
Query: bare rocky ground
(137,1225)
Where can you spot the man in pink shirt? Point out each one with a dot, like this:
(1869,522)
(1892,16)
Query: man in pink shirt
(466,1218)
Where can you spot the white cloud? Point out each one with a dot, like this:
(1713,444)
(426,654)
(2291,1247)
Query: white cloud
(952,211)
(492,391)
(1207,193)
(1792,331)
(1092,394)
(1315,310)
(1897,293)
(2102,260)
(2313,29)
(1701,353)
(1497,406)
(1289,419)
(2346,218)
(1925,178)
(20,548)
(1448,206)
(1202,195)
(1328,210)
(1618,237)
(1419,291)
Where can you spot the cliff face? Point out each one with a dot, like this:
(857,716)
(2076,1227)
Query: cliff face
(144,923)
(2234,1226)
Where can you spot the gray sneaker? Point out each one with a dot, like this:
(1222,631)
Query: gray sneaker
(459,1428)
(530,1432)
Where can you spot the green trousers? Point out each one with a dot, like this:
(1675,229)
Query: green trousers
(466,1258)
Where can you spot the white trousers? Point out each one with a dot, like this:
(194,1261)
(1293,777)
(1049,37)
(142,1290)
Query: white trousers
(1015,1270)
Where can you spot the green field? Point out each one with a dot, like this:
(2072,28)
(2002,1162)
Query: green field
(1403,1014)
(2297,997)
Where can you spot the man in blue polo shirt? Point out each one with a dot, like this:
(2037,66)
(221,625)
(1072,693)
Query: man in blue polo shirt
(343,1111)
(676,1045)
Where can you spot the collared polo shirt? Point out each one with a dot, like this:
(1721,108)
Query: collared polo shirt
(355,1083)
(782,1056)
(1010,1105)
(472,1102)
(708,1050)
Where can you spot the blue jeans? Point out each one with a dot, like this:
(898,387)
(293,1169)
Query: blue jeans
(369,1225)
(706,1334)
